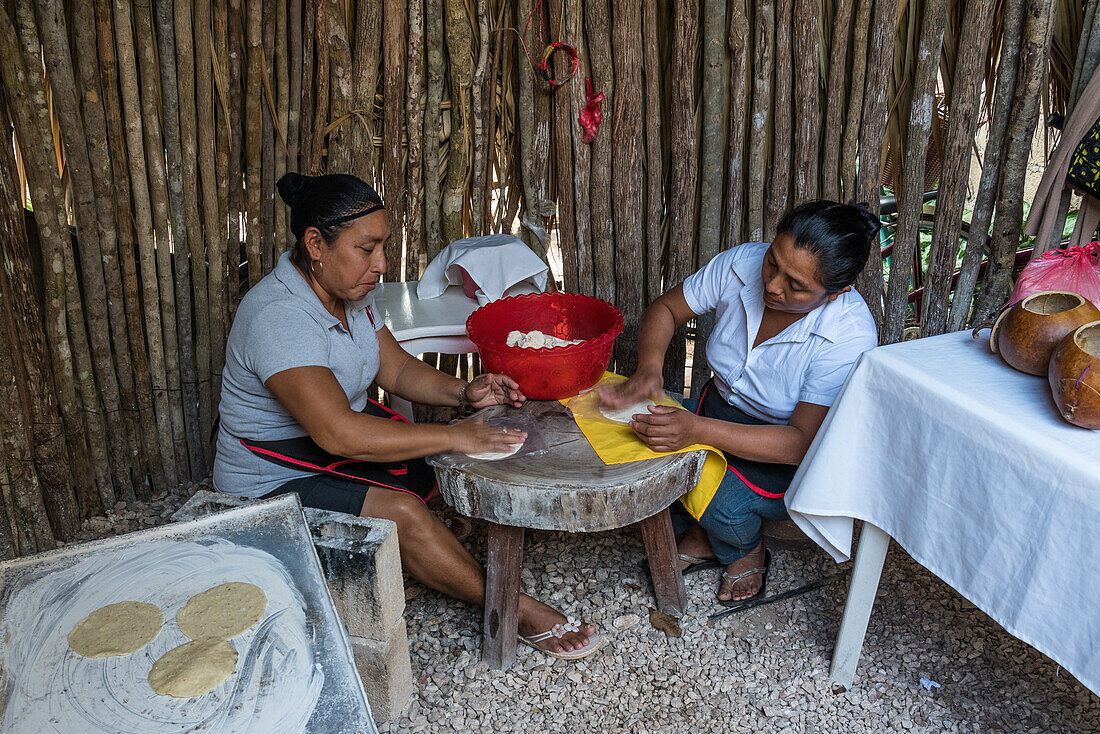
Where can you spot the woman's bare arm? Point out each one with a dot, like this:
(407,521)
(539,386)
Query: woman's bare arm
(774,444)
(669,429)
(400,373)
(659,322)
(316,400)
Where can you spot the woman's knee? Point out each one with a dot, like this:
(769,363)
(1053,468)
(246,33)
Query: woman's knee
(738,526)
(407,511)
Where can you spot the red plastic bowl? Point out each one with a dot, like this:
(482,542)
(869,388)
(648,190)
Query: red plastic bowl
(556,372)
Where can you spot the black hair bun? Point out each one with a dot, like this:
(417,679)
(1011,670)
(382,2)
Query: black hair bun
(873,223)
(292,186)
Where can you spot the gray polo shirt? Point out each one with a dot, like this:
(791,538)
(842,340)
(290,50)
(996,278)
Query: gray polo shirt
(281,324)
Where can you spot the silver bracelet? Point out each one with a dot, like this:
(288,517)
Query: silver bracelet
(462,401)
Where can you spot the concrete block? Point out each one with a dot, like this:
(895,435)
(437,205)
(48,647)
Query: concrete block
(363,570)
(386,671)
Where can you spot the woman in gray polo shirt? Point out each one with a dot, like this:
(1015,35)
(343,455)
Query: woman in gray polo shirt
(305,347)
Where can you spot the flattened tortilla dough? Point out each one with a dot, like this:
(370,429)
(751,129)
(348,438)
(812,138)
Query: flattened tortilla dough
(116,629)
(624,415)
(224,611)
(496,455)
(194,668)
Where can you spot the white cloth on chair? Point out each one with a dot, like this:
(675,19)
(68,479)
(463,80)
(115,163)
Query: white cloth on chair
(494,262)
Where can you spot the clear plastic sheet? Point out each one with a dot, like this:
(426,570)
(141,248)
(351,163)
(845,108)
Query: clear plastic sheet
(504,417)
(587,404)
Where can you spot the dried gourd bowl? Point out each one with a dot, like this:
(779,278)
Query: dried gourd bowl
(553,372)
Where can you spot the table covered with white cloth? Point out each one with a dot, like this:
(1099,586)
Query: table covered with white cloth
(966,463)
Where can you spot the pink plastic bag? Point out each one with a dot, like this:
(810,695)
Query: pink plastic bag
(1074,269)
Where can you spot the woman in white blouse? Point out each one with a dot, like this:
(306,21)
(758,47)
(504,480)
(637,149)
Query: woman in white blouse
(788,329)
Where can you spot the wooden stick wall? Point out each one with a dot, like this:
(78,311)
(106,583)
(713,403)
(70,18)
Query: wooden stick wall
(159,127)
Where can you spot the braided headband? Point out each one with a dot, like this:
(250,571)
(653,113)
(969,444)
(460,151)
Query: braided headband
(349,217)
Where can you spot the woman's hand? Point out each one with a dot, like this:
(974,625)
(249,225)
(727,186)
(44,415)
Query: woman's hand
(666,428)
(489,389)
(641,385)
(471,437)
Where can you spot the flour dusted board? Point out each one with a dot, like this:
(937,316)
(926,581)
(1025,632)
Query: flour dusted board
(294,671)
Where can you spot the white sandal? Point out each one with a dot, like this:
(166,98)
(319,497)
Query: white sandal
(559,631)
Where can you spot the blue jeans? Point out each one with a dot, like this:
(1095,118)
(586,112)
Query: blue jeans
(734,516)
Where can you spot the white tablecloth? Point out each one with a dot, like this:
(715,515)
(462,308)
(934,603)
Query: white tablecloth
(966,463)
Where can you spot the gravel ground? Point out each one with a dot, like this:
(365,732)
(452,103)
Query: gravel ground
(763,670)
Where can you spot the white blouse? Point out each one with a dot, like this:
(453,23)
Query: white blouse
(806,362)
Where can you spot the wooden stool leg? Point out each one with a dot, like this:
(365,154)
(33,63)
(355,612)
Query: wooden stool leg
(502,596)
(664,568)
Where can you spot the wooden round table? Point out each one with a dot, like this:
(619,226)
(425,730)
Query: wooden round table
(567,488)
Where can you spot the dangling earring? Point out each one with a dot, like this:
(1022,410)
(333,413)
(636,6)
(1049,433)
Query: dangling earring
(313,265)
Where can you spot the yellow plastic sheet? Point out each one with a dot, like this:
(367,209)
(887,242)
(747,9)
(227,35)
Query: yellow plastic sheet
(618,444)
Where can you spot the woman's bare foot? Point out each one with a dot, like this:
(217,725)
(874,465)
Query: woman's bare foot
(748,586)
(694,543)
(536,618)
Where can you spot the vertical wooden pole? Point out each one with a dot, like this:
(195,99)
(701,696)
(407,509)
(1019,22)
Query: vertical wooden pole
(393,178)
(364,79)
(477,94)
(582,153)
(268,140)
(762,112)
(34,451)
(139,349)
(684,159)
(807,111)
(977,25)
(907,235)
(25,98)
(340,89)
(55,49)
(715,91)
(179,269)
(597,16)
(779,180)
(991,165)
(414,122)
(854,114)
(213,158)
(739,42)
(654,153)
(253,143)
(563,157)
(835,90)
(235,192)
(433,34)
(160,259)
(193,60)
(295,24)
(872,130)
(94,106)
(1035,44)
(282,115)
(628,213)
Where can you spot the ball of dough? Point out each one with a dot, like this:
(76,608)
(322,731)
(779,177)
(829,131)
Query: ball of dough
(224,611)
(515,338)
(194,668)
(116,629)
